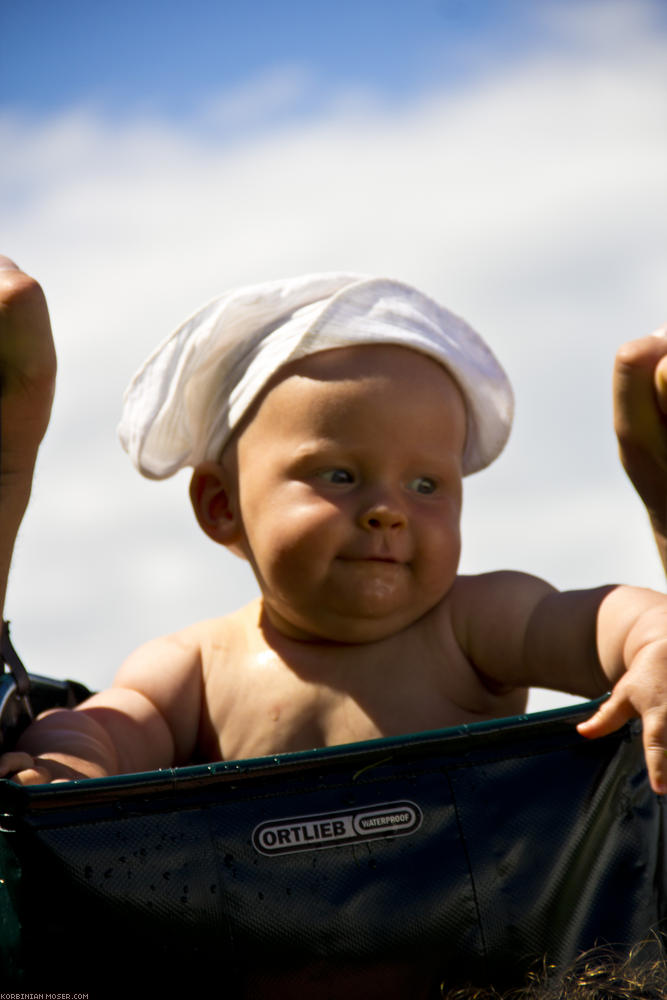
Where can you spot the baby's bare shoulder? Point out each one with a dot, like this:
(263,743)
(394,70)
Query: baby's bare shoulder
(176,651)
(170,672)
(489,616)
(496,599)
(169,669)
(450,650)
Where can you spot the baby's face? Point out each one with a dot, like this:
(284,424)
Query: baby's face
(349,480)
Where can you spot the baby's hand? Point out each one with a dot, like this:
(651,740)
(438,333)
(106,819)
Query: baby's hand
(642,691)
(18,766)
(23,769)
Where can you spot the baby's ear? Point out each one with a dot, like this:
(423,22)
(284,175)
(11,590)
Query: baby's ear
(214,502)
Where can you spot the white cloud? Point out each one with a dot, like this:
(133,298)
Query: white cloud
(532,202)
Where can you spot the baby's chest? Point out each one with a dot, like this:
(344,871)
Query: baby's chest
(268,709)
(279,715)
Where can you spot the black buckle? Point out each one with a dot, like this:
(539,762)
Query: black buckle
(10,658)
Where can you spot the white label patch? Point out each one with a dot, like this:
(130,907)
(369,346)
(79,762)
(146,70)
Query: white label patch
(311,833)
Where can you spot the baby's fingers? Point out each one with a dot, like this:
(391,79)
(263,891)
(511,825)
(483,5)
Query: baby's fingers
(23,769)
(14,761)
(17,766)
(610,716)
(614,713)
(654,724)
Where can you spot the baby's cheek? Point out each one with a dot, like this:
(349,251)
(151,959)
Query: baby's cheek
(439,560)
(305,531)
(292,559)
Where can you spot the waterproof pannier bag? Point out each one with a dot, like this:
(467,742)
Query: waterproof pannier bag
(377,869)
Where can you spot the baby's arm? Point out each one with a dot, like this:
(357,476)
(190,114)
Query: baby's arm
(147,720)
(518,631)
(640,421)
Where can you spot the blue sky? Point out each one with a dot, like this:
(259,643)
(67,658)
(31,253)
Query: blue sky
(507,158)
(168,57)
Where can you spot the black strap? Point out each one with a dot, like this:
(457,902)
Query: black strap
(10,657)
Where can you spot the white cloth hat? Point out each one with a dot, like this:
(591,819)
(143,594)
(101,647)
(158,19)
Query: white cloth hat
(185,401)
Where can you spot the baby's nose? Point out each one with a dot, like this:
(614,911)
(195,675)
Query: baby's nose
(383,517)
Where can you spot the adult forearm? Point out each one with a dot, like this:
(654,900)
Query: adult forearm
(27,380)
(14,496)
(660,536)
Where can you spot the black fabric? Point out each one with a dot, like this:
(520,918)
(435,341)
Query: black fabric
(376,870)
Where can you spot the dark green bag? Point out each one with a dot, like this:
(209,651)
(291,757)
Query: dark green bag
(379,869)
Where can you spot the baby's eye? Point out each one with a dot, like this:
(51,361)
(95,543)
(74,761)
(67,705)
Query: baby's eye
(336,476)
(423,484)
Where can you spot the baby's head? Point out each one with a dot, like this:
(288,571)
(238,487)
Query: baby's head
(329,421)
(343,490)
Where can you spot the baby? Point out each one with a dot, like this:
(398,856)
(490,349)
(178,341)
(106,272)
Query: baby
(329,421)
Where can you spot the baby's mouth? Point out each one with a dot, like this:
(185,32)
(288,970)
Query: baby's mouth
(389,560)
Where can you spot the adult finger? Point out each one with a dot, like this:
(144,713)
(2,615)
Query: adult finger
(635,385)
(660,381)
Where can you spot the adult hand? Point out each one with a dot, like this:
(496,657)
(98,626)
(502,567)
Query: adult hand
(640,422)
